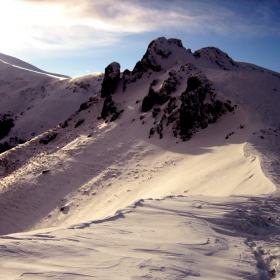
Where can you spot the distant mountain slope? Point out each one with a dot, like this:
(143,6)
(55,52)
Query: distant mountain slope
(22,64)
(31,102)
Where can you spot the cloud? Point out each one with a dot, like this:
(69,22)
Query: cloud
(75,24)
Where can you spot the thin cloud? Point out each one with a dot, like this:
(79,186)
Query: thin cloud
(72,24)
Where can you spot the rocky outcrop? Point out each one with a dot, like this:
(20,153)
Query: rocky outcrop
(163,94)
(194,109)
(111,79)
(157,51)
(110,109)
(48,138)
(6,123)
(199,106)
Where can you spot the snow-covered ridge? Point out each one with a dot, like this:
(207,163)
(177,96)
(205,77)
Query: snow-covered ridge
(110,142)
(34,101)
(15,62)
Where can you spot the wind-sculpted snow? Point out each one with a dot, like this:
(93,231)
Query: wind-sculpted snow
(172,238)
(201,124)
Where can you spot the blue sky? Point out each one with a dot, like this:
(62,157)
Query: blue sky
(76,37)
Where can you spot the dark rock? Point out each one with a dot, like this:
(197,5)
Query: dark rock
(193,83)
(82,85)
(45,171)
(147,103)
(5,147)
(65,209)
(175,41)
(79,122)
(157,50)
(125,77)
(228,106)
(64,124)
(6,124)
(155,112)
(163,94)
(84,106)
(159,129)
(154,82)
(109,107)
(116,115)
(45,140)
(196,108)
(171,105)
(111,79)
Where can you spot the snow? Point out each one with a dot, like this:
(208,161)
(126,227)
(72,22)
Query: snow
(17,63)
(174,238)
(116,204)
(38,101)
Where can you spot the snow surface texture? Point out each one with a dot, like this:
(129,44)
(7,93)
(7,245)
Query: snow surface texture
(90,165)
(37,101)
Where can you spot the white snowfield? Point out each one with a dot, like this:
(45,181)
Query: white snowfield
(38,101)
(105,201)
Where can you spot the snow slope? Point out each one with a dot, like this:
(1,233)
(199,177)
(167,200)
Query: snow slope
(196,237)
(15,62)
(91,167)
(38,101)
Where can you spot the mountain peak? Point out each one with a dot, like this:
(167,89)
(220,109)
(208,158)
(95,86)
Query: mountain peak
(216,56)
(158,51)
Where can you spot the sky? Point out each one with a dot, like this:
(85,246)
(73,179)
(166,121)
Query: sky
(77,37)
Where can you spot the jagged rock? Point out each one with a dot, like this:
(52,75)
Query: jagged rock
(188,68)
(84,106)
(163,94)
(158,50)
(6,124)
(111,79)
(159,129)
(171,105)
(79,122)
(147,103)
(64,124)
(116,115)
(5,147)
(198,106)
(109,107)
(125,77)
(152,132)
(45,140)
(168,86)
(155,112)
